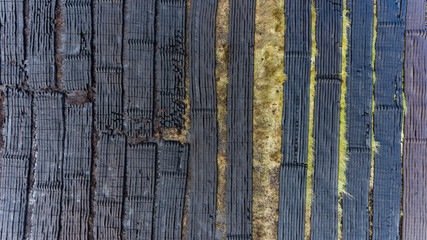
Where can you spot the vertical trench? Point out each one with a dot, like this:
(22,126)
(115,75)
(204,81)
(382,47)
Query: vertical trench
(58,31)
(310,158)
(187,116)
(95,133)
(373,142)
(343,144)
(30,179)
(29,210)
(221,76)
(124,193)
(156,120)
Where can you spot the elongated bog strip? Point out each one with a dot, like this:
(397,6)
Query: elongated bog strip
(388,116)
(170,62)
(48,175)
(12,65)
(324,210)
(204,131)
(40,46)
(15,163)
(415,142)
(170,190)
(107,34)
(140,188)
(296,99)
(76,171)
(239,119)
(359,119)
(76,49)
(109,177)
(138,72)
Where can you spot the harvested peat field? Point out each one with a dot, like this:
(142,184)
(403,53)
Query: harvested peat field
(213,119)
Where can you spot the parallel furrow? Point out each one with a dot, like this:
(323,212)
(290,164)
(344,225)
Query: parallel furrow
(172,160)
(109,177)
(359,119)
(204,131)
(138,72)
(170,62)
(76,49)
(48,175)
(12,64)
(41,44)
(15,165)
(324,211)
(388,117)
(140,188)
(107,34)
(239,119)
(76,171)
(296,98)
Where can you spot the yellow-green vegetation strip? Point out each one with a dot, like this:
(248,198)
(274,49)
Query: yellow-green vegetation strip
(310,158)
(268,103)
(343,156)
(221,74)
(374,144)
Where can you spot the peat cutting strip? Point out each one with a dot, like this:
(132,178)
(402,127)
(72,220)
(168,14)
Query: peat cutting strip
(12,47)
(140,188)
(76,171)
(110,178)
(239,119)
(108,28)
(324,211)
(170,62)
(172,163)
(359,119)
(296,99)
(15,165)
(76,49)
(138,71)
(41,44)
(48,176)
(204,131)
(388,116)
(415,143)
